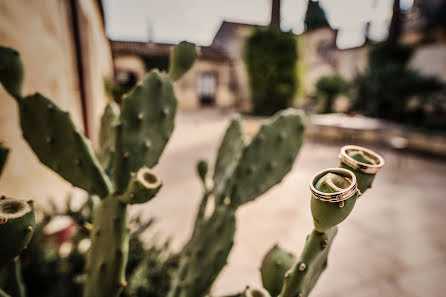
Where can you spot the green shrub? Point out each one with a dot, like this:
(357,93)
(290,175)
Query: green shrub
(271,57)
(328,88)
(387,84)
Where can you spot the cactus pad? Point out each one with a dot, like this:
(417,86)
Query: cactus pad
(144,126)
(11,71)
(228,155)
(57,143)
(107,135)
(181,59)
(205,255)
(274,266)
(107,257)
(269,156)
(4,151)
(143,186)
(255,292)
(17,224)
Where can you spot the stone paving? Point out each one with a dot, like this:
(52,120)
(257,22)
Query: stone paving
(393,244)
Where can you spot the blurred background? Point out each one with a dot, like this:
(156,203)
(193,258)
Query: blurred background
(367,72)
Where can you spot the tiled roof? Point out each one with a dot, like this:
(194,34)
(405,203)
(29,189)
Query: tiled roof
(160,49)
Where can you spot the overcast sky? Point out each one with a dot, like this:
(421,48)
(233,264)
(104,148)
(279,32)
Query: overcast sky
(198,20)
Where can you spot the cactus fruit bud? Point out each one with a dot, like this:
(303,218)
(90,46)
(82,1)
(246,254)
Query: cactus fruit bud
(274,266)
(17,224)
(364,163)
(329,187)
(202,170)
(181,59)
(142,187)
(11,71)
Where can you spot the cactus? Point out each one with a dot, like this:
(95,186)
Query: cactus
(181,60)
(4,151)
(241,174)
(274,266)
(131,142)
(11,71)
(17,224)
(334,194)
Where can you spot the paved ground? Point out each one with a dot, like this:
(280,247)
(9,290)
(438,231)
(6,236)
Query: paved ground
(393,244)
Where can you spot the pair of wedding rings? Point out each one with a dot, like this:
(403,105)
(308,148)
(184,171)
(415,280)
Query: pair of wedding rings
(351,190)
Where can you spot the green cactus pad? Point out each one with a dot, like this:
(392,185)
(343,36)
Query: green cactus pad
(107,257)
(274,266)
(143,186)
(11,71)
(17,224)
(144,127)
(269,156)
(361,157)
(107,135)
(181,59)
(4,151)
(228,155)
(300,280)
(205,255)
(58,144)
(329,214)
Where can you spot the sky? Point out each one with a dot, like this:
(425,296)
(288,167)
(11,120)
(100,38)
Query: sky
(197,21)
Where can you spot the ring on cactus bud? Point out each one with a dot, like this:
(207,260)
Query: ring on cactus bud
(372,167)
(339,196)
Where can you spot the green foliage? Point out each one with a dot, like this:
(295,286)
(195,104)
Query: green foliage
(271,62)
(315,17)
(328,88)
(387,85)
(11,71)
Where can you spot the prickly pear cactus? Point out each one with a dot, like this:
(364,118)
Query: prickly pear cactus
(334,194)
(4,151)
(241,174)
(131,142)
(181,60)
(11,71)
(17,224)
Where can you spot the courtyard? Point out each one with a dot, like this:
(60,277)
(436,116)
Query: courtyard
(393,243)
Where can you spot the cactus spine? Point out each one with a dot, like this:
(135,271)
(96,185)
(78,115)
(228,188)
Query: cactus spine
(131,142)
(241,174)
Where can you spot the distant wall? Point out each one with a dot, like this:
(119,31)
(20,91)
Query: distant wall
(431,60)
(41,30)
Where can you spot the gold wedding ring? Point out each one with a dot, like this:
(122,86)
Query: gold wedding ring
(360,166)
(337,196)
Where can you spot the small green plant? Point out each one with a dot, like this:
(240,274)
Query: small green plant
(328,88)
